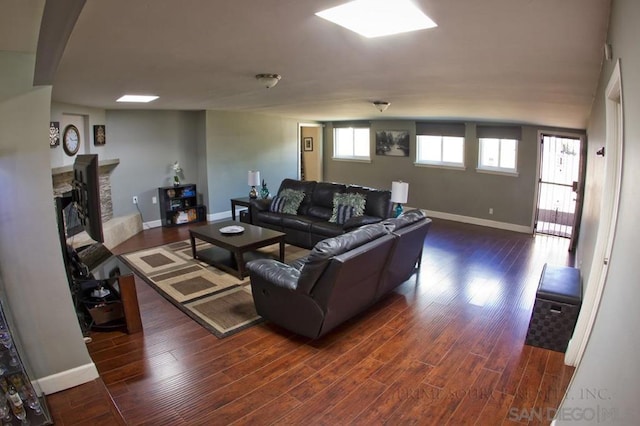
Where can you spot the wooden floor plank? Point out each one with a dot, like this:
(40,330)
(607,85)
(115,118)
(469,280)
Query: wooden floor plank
(447,346)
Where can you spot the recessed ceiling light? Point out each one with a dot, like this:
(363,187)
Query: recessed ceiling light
(137,98)
(376,18)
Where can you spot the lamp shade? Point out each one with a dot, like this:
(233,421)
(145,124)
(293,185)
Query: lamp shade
(254,178)
(399,191)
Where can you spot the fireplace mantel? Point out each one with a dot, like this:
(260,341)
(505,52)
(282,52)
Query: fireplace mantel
(106,166)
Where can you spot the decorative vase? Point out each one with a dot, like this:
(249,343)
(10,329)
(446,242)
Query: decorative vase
(176,180)
(264,192)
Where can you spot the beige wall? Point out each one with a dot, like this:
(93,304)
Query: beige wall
(458,193)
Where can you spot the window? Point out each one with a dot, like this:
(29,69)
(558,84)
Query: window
(351,143)
(440,150)
(498,155)
(440,144)
(498,149)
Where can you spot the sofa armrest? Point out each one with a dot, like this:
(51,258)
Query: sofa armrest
(298,263)
(260,204)
(275,273)
(358,221)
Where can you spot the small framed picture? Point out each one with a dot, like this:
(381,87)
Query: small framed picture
(99,134)
(54,133)
(308,144)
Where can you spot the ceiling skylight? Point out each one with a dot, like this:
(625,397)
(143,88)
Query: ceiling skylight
(137,98)
(376,18)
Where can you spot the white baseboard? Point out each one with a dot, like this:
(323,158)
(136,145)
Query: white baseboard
(482,222)
(221,216)
(431,213)
(152,224)
(67,379)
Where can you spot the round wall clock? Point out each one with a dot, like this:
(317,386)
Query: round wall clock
(71,140)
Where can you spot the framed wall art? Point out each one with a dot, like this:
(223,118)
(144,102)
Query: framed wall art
(54,134)
(394,143)
(99,134)
(308,144)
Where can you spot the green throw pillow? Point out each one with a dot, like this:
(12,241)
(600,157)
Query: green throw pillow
(357,201)
(293,199)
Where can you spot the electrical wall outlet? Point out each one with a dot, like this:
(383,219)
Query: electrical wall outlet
(135,200)
(490,210)
(154,200)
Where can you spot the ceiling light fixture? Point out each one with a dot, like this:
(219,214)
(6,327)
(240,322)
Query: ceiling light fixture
(137,98)
(381,106)
(268,80)
(376,18)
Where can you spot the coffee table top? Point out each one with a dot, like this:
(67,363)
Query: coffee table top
(252,234)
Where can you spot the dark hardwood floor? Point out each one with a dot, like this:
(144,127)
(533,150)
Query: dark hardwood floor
(447,347)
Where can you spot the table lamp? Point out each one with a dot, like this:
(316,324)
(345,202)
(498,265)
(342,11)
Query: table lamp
(399,195)
(254,180)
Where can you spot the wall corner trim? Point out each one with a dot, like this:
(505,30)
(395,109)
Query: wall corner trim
(68,378)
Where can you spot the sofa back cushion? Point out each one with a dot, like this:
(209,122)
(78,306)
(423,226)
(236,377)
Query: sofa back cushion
(305,186)
(321,205)
(323,193)
(323,251)
(378,200)
(407,218)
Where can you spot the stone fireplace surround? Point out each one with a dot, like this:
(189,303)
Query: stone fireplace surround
(115,229)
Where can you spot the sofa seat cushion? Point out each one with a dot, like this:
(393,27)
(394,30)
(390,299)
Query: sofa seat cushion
(320,213)
(300,223)
(326,229)
(270,218)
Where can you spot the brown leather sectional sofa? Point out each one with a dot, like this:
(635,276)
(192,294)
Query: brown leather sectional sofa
(311,222)
(340,277)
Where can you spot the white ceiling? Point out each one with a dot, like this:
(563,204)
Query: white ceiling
(529,61)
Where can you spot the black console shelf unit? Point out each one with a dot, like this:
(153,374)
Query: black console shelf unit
(179,205)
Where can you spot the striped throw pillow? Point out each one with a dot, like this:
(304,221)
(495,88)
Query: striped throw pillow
(277,204)
(344,213)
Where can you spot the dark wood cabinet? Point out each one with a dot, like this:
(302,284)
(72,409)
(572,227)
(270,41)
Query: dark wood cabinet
(179,205)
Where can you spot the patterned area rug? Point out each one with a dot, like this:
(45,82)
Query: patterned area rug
(220,302)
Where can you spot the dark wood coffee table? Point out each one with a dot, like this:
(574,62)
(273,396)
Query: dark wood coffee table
(232,251)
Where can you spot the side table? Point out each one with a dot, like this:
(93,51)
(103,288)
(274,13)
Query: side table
(242,202)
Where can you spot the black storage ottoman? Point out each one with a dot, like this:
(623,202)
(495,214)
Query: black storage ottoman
(556,308)
(244,216)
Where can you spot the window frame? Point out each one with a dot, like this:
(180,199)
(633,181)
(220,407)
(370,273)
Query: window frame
(497,169)
(441,163)
(357,158)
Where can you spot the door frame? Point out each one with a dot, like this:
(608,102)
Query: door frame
(614,144)
(317,145)
(581,178)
